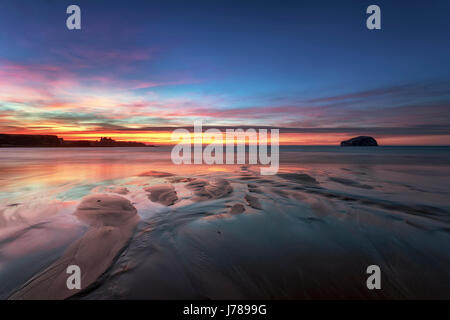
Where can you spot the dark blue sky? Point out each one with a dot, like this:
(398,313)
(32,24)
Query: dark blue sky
(282,63)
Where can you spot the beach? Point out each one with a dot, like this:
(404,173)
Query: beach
(141,227)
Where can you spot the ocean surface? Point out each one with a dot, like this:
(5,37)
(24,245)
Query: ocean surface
(308,232)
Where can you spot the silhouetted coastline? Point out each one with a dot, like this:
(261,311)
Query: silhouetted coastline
(52,141)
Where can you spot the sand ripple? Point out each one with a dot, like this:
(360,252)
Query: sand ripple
(111,221)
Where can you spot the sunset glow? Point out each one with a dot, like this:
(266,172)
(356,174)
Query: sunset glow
(134,85)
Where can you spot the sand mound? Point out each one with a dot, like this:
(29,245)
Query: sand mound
(215,188)
(153,173)
(298,177)
(163,193)
(253,202)
(237,208)
(118,190)
(111,221)
(180,179)
(254,188)
(350,183)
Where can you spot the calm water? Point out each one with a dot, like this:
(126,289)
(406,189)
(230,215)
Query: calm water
(42,181)
(30,171)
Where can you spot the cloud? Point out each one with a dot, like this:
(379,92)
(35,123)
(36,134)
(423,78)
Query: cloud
(51,96)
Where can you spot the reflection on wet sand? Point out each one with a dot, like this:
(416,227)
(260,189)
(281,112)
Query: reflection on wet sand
(225,231)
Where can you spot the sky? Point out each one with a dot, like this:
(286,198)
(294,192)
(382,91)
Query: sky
(138,69)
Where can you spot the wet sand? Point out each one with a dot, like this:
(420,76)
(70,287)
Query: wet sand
(111,221)
(308,232)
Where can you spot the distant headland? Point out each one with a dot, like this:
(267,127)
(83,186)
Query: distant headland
(52,141)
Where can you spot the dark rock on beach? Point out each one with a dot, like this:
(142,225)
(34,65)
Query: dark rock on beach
(361,141)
